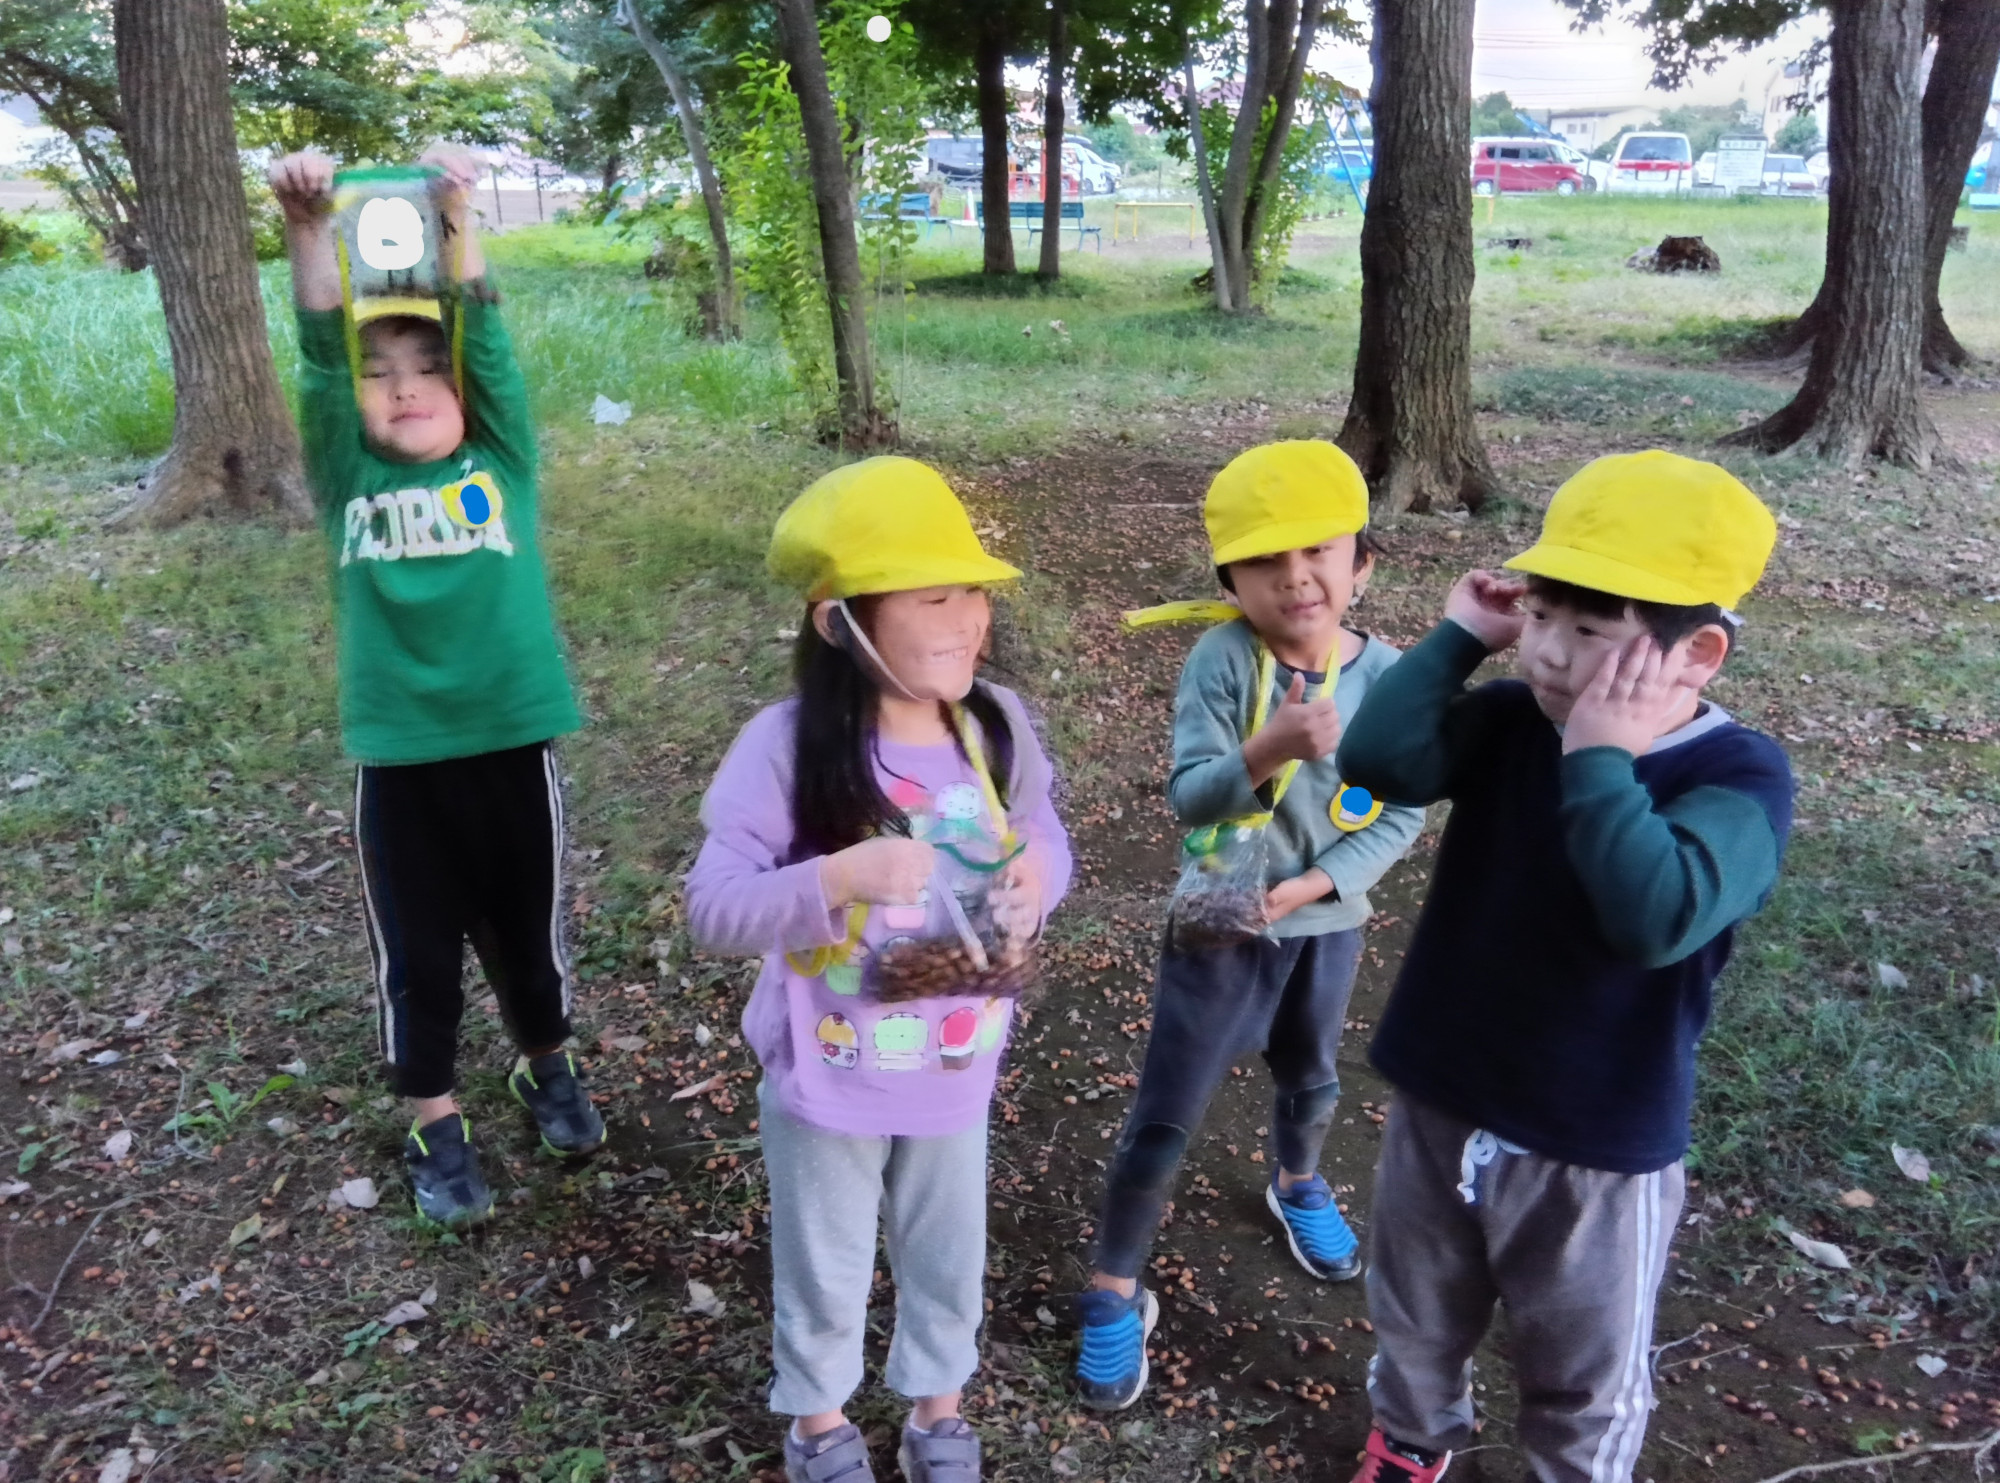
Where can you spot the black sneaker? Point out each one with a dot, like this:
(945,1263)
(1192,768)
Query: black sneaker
(444,1171)
(551,1088)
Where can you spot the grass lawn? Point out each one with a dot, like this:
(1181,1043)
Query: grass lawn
(179,922)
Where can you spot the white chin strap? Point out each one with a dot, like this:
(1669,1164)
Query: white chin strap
(884,675)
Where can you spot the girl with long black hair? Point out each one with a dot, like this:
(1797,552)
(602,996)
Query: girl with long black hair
(830,825)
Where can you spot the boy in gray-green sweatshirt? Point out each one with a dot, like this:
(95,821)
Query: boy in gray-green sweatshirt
(421,453)
(1261,704)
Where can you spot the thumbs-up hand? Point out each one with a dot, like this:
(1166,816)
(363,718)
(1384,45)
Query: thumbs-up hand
(1298,730)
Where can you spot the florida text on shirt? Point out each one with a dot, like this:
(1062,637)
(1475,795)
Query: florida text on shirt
(413,523)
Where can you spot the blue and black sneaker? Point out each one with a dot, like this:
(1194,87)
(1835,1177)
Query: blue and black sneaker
(552,1089)
(1111,1370)
(444,1171)
(1320,1239)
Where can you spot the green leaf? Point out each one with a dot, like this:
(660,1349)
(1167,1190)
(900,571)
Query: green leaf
(28,1157)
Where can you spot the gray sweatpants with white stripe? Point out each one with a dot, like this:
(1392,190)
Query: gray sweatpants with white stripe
(1462,1220)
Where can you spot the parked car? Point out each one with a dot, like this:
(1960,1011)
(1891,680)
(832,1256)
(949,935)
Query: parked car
(1704,168)
(1980,176)
(1099,175)
(1787,175)
(1506,165)
(1646,164)
(1346,160)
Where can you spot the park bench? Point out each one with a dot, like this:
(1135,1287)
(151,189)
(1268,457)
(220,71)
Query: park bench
(914,206)
(1029,214)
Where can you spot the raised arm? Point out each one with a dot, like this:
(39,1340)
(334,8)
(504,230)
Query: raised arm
(303,184)
(329,418)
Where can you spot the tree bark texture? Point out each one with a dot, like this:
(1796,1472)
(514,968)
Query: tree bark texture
(990,72)
(1860,394)
(235,447)
(725,323)
(1052,141)
(1278,41)
(862,424)
(1218,276)
(1954,111)
(1409,422)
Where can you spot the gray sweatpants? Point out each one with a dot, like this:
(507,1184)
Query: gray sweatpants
(1461,1221)
(828,1191)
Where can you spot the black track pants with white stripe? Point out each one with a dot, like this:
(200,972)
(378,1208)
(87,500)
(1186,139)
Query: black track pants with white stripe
(1461,1221)
(464,850)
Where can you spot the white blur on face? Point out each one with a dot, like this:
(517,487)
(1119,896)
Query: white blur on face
(1297,600)
(932,639)
(1562,648)
(410,409)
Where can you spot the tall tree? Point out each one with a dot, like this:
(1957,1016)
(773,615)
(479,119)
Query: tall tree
(235,448)
(1052,140)
(631,14)
(995,108)
(863,425)
(1409,421)
(1860,394)
(1954,111)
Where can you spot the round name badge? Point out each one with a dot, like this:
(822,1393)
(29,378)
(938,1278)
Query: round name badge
(473,502)
(1354,809)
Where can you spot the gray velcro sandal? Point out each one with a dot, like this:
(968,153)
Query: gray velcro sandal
(837,1456)
(947,1453)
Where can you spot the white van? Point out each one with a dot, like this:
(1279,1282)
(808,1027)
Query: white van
(1647,164)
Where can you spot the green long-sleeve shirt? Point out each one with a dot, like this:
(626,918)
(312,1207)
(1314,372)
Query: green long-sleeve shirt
(447,646)
(1209,782)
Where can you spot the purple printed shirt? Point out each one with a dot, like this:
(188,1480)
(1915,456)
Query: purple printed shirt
(837,1057)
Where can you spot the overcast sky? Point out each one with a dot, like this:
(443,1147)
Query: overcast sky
(1527,49)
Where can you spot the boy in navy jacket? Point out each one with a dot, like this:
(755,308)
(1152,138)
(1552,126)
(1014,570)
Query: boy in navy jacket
(1609,828)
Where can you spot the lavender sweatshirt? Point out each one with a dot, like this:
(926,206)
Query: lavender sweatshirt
(836,1057)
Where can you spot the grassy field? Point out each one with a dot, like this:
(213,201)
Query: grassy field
(178,918)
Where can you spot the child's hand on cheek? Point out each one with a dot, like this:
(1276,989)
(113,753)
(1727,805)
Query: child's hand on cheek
(1629,702)
(882,872)
(1487,606)
(1287,897)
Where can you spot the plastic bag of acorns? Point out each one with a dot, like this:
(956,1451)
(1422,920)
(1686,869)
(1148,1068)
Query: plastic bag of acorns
(1219,895)
(990,951)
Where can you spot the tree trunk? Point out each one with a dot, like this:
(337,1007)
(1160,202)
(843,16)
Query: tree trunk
(235,447)
(1409,422)
(1860,394)
(1218,272)
(727,325)
(1288,79)
(990,66)
(862,424)
(1954,112)
(1052,142)
(1236,170)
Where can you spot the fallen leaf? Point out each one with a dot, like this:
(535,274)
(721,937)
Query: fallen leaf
(152,1238)
(428,1297)
(118,1467)
(356,1194)
(1858,1199)
(1932,1365)
(405,1345)
(69,1050)
(585,1268)
(402,1313)
(1891,977)
(702,1036)
(1913,1164)
(697,1089)
(11,1188)
(628,1043)
(6,915)
(338,1096)
(24,782)
(284,1127)
(702,1300)
(294,1068)
(247,1229)
(1823,1252)
(620,1328)
(605,410)
(107,1058)
(702,1439)
(195,1289)
(138,1021)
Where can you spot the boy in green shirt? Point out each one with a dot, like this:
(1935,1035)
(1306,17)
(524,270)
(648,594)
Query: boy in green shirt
(451,678)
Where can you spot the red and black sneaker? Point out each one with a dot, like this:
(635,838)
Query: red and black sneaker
(1389,1461)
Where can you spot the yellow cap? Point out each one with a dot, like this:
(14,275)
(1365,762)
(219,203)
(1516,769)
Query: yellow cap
(880,525)
(1282,496)
(1654,527)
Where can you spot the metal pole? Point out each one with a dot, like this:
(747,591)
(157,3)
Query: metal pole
(498,219)
(539,216)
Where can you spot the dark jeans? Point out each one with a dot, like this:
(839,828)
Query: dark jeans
(1287,998)
(450,851)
